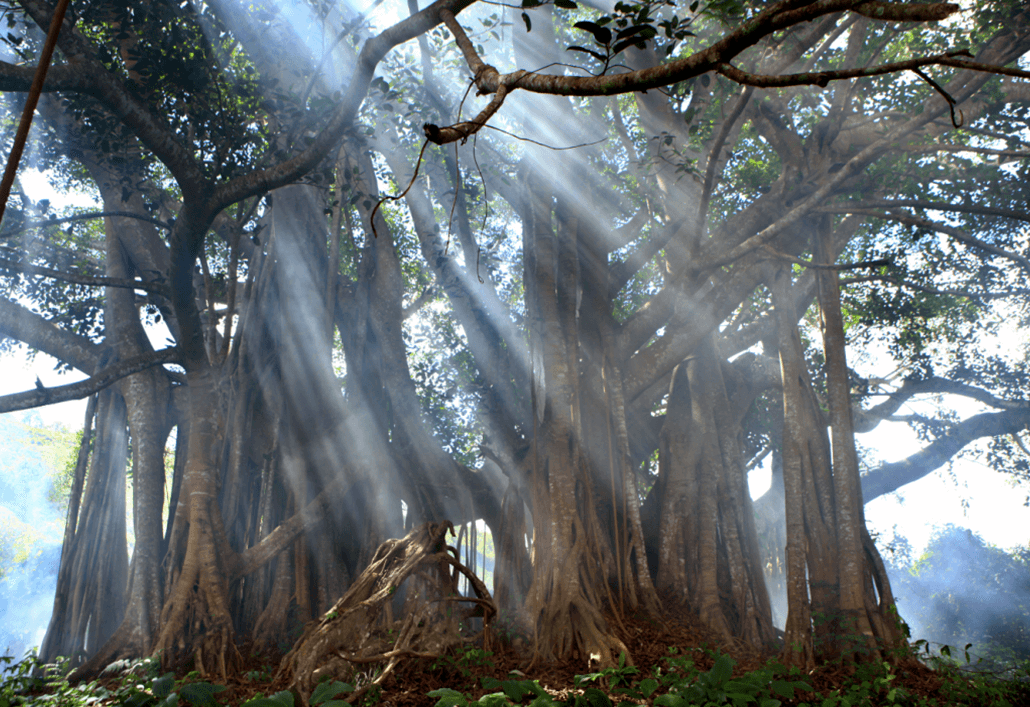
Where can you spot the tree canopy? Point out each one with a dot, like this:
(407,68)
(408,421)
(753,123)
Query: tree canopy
(567,269)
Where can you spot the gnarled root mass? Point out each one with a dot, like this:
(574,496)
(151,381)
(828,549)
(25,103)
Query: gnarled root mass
(415,579)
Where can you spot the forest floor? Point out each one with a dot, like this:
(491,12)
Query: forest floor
(675,662)
(657,650)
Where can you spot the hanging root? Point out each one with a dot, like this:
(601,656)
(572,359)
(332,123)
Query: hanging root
(415,577)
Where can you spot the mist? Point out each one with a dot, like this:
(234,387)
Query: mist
(962,590)
(30,535)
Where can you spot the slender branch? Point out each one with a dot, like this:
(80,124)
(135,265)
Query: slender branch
(73,391)
(14,157)
(81,217)
(956,233)
(468,50)
(930,206)
(717,56)
(157,288)
(960,63)
(1015,154)
(412,309)
(713,158)
(823,78)
(463,131)
(777,255)
(1020,292)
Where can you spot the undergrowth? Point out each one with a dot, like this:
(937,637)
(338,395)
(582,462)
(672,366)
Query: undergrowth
(677,682)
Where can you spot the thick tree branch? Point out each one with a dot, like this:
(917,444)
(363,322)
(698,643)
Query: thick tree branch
(73,391)
(16,79)
(374,50)
(21,324)
(778,16)
(867,420)
(891,477)
(101,84)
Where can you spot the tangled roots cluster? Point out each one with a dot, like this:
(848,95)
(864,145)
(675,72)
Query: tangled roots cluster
(404,605)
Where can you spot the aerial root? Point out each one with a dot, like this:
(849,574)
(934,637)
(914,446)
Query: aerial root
(415,577)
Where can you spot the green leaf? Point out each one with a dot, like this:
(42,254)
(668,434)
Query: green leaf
(596,698)
(647,686)
(529,25)
(328,690)
(202,694)
(623,46)
(602,35)
(634,29)
(591,52)
(722,670)
(137,699)
(162,686)
(449,698)
(786,689)
(279,699)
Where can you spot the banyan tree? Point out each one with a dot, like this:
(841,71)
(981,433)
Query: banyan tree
(562,272)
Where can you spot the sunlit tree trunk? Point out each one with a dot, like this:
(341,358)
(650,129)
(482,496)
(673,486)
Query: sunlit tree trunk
(708,543)
(798,649)
(569,565)
(90,601)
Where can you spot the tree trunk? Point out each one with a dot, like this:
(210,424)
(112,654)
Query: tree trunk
(798,649)
(90,600)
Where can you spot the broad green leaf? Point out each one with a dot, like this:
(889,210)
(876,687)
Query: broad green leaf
(591,52)
(328,690)
(449,698)
(602,35)
(201,694)
(163,685)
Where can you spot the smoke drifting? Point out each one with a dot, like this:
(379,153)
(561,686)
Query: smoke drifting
(962,590)
(30,535)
